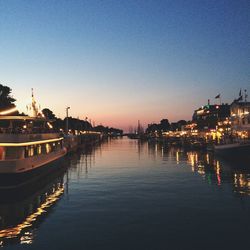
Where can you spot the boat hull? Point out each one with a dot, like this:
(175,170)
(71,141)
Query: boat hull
(233,151)
(20,180)
(30,163)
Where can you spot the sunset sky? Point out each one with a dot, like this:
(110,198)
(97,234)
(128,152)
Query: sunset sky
(117,62)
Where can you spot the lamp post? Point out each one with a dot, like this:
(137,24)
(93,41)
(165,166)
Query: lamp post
(67,120)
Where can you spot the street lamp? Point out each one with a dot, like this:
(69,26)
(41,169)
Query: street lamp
(67,120)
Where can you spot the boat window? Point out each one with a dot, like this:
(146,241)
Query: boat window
(48,148)
(2,153)
(35,150)
(59,144)
(39,149)
(53,146)
(43,146)
(31,151)
(26,152)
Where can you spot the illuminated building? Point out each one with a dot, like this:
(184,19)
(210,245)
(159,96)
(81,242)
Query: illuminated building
(208,116)
(240,118)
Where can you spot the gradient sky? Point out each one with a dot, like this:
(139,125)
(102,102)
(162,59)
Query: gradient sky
(119,61)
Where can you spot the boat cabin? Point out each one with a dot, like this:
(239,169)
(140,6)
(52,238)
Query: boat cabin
(23,137)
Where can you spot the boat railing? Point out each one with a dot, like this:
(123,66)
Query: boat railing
(5,138)
(26,131)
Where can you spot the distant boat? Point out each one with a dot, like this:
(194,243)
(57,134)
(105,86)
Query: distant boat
(138,133)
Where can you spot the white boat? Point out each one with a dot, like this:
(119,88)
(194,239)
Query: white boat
(27,143)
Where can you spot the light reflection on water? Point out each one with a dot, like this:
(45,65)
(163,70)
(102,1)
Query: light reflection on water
(18,230)
(125,186)
(19,219)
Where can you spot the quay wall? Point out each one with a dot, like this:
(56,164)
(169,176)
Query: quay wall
(73,142)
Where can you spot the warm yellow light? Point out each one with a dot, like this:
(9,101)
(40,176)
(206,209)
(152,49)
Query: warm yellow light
(50,126)
(13,232)
(6,112)
(90,132)
(20,144)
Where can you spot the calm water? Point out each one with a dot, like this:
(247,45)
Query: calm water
(128,195)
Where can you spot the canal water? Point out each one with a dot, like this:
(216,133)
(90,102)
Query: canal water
(124,194)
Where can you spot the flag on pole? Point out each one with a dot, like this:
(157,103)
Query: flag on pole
(217,97)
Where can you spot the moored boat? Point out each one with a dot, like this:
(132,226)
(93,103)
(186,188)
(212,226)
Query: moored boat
(234,151)
(236,144)
(27,143)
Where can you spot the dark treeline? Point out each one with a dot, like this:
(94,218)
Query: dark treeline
(165,126)
(73,123)
(78,124)
(7,101)
(107,130)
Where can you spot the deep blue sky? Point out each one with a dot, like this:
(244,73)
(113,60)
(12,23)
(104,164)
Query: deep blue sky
(119,61)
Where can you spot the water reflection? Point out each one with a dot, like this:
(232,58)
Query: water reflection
(110,185)
(23,210)
(156,150)
(212,168)
(21,215)
(242,183)
(82,161)
(218,171)
(206,165)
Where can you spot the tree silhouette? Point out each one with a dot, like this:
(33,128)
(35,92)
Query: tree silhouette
(6,100)
(164,125)
(48,114)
